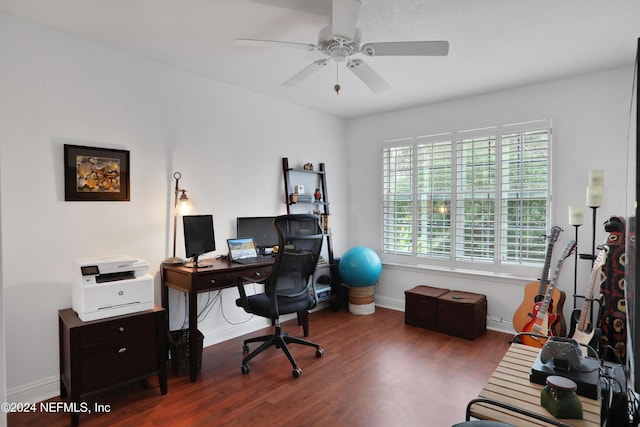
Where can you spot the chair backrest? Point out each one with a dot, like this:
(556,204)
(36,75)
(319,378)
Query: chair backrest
(300,241)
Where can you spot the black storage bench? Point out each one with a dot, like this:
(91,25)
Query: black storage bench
(462,314)
(421,306)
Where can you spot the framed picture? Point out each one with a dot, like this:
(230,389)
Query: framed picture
(92,173)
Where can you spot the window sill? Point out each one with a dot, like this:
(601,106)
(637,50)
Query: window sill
(509,278)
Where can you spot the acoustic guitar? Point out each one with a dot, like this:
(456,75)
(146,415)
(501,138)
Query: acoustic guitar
(543,321)
(534,292)
(581,329)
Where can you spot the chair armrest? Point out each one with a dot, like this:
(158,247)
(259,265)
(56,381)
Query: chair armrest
(240,282)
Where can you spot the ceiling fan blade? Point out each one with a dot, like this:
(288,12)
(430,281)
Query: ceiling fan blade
(316,7)
(425,48)
(274,43)
(367,75)
(306,72)
(344,17)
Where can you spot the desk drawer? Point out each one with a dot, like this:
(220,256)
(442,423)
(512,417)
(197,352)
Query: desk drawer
(220,280)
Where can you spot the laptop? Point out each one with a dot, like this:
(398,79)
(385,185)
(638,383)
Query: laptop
(244,251)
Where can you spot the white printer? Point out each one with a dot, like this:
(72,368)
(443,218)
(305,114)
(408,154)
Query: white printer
(110,286)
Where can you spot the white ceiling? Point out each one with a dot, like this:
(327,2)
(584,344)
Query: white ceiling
(494,44)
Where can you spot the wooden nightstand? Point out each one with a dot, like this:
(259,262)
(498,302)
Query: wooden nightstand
(104,353)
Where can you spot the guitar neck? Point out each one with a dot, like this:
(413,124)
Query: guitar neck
(544,279)
(595,274)
(556,274)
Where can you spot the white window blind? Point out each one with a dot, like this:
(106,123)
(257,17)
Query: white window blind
(478,196)
(398,200)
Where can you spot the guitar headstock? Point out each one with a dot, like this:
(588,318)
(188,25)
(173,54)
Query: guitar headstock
(601,259)
(569,249)
(553,234)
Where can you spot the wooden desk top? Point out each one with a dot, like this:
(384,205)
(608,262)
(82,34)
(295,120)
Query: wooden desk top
(221,273)
(510,384)
(216,264)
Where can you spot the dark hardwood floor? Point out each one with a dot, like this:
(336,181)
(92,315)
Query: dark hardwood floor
(376,371)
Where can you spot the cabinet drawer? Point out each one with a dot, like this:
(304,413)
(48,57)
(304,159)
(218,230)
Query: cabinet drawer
(117,360)
(118,328)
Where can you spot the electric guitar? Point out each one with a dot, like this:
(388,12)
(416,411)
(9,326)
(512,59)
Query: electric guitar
(535,291)
(543,321)
(583,331)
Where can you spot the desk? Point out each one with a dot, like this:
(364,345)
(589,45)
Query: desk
(220,275)
(510,384)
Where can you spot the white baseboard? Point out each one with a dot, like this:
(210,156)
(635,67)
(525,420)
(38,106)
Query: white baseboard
(36,391)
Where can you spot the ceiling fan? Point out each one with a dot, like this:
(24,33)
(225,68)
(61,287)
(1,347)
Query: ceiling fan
(341,40)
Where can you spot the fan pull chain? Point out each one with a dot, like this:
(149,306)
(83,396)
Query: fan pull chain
(336,87)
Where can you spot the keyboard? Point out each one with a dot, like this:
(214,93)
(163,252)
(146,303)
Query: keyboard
(252,260)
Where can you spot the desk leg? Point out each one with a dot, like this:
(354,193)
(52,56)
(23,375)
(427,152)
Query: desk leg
(164,295)
(193,331)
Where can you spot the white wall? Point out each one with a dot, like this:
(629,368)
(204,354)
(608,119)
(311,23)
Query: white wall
(226,142)
(590,131)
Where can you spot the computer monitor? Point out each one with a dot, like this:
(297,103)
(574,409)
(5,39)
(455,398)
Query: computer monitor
(198,236)
(260,228)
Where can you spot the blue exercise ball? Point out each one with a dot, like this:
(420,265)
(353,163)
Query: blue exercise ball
(360,266)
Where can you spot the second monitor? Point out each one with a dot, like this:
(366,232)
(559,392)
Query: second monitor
(261,229)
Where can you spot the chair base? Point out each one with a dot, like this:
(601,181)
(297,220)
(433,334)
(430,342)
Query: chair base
(280,340)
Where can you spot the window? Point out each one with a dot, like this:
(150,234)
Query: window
(478,197)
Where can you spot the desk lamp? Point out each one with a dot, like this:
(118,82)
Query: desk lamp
(182,206)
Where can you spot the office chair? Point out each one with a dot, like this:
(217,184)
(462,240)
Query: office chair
(288,288)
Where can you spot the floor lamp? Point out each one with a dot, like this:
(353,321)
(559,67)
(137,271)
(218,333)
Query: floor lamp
(181,206)
(576,218)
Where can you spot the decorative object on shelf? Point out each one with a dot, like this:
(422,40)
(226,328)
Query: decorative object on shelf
(324,221)
(299,189)
(181,206)
(305,198)
(293,198)
(317,195)
(95,174)
(308,166)
(576,218)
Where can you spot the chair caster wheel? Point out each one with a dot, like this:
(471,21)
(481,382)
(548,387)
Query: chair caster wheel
(245,349)
(296,373)
(244,369)
(319,352)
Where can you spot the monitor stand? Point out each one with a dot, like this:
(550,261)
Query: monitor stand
(196,263)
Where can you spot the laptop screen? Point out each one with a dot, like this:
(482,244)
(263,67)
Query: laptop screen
(241,248)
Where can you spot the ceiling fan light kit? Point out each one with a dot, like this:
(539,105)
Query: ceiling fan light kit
(341,39)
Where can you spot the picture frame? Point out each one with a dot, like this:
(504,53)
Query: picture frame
(95,174)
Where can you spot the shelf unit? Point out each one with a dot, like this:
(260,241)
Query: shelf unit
(319,179)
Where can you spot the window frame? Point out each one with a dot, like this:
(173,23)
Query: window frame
(495,266)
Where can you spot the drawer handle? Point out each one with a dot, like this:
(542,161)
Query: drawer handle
(121,328)
(213,281)
(122,350)
(258,274)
